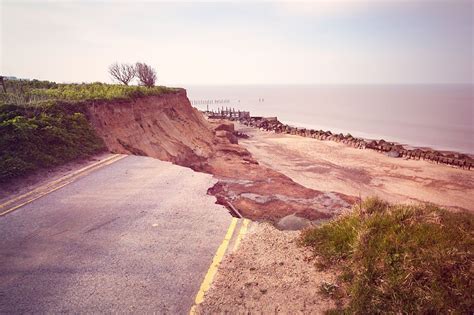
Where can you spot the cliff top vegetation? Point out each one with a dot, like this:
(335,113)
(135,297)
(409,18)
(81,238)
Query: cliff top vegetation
(24,92)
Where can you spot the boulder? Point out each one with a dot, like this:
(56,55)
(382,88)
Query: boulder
(226,134)
(292,223)
(394,154)
(239,134)
(226,126)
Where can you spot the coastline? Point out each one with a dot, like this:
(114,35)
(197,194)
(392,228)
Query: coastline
(393,149)
(336,167)
(371,136)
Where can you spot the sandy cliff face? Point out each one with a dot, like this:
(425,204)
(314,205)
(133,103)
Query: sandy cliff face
(166,127)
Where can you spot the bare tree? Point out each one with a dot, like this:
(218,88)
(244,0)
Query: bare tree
(122,72)
(146,74)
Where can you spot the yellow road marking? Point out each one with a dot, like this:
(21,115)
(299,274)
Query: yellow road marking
(33,199)
(242,232)
(47,185)
(47,188)
(211,272)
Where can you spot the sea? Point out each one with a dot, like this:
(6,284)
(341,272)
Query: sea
(436,116)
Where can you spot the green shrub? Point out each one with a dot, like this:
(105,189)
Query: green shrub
(400,258)
(33,137)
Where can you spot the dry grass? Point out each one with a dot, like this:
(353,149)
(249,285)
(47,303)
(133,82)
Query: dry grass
(400,258)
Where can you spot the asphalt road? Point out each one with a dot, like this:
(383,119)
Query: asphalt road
(134,236)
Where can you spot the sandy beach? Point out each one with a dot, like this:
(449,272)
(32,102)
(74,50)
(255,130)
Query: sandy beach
(334,167)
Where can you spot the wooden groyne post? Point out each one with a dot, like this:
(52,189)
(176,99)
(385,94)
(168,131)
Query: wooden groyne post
(2,82)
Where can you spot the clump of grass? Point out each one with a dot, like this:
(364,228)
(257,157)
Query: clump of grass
(329,289)
(400,258)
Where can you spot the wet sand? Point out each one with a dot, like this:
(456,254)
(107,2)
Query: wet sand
(334,167)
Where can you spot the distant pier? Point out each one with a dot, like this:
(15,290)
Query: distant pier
(226,113)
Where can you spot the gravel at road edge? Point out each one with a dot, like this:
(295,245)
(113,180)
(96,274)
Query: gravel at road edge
(269,273)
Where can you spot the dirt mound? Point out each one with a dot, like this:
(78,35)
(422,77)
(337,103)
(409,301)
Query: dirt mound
(167,127)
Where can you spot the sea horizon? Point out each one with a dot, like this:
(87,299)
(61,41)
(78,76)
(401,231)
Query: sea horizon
(434,115)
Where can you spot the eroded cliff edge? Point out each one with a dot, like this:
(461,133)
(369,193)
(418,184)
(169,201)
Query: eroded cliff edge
(167,127)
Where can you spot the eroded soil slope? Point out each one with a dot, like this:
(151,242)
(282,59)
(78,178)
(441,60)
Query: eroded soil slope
(168,128)
(165,127)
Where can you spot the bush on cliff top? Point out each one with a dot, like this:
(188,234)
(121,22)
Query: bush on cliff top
(34,137)
(400,258)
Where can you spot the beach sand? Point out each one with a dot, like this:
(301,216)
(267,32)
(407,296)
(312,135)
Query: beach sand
(334,167)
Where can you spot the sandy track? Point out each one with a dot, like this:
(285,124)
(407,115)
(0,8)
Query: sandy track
(331,166)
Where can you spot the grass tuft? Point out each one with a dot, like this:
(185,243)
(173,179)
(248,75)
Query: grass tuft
(400,258)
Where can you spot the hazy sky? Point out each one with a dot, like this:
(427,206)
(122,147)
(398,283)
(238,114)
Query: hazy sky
(327,41)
